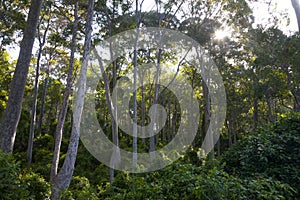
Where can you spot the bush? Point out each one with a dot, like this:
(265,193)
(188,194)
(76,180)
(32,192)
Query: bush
(14,185)
(271,152)
(10,184)
(35,185)
(185,181)
(80,188)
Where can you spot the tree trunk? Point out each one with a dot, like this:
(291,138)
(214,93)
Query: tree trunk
(64,108)
(207,116)
(113,110)
(36,86)
(14,105)
(134,138)
(296,6)
(269,103)
(63,178)
(39,130)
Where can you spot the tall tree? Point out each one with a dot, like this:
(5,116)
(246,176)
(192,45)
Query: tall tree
(64,108)
(42,41)
(14,105)
(63,178)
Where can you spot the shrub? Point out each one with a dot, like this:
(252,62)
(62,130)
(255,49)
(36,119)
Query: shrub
(271,152)
(80,188)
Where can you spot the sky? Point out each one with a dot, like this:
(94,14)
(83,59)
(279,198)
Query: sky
(260,12)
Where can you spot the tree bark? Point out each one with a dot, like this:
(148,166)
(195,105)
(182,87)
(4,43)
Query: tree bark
(63,178)
(64,108)
(296,6)
(40,123)
(12,113)
(36,87)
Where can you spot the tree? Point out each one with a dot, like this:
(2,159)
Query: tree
(14,105)
(63,112)
(63,178)
(42,40)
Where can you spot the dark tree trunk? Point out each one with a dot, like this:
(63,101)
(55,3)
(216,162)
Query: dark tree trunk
(36,87)
(14,105)
(40,123)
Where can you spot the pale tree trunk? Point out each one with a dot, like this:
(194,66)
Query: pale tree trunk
(14,105)
(143,107)
(156,88)
(36,86)
(155,99)
(64,108)
(63,178)
(113,112)
(296,6)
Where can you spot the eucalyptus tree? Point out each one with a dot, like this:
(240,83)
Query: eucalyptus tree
(64,107)
(14,105)
(63,178)
(110,20)
(42,40)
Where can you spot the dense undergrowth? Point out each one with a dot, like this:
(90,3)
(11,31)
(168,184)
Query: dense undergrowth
(263,165)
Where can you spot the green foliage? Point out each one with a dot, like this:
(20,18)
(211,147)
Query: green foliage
(16,185)
(10,184)
(35,185)
(185,181)
(271,151)
(80,188)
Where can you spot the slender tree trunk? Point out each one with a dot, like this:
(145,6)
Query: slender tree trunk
(113,110)
(229,134)
(63,178)
(155,99)
(64,107)
(40,123)
(169,121)
(36,86)
(296,6)
(269,103)
(14,105)
(207,114)
(134,139)
(143,106)
(156,88)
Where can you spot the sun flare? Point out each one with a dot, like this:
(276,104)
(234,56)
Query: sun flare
(221,34)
